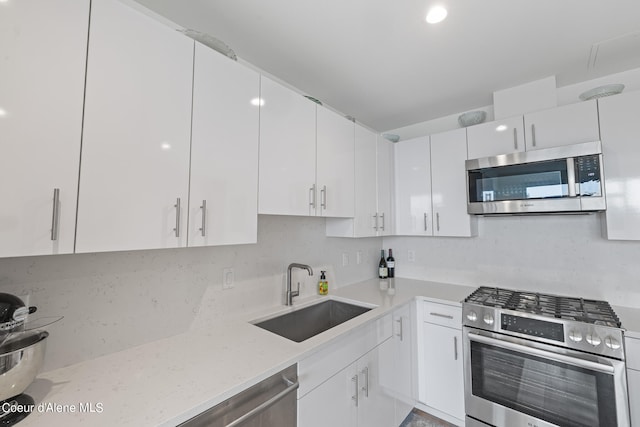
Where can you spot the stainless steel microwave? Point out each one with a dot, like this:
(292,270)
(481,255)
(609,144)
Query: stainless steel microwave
(566,179)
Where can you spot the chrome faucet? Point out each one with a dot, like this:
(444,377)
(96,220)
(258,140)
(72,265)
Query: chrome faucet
(290,293)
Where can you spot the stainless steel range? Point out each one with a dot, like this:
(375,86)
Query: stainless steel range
(537,360)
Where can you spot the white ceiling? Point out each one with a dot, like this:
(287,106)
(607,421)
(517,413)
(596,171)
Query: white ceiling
(379,61)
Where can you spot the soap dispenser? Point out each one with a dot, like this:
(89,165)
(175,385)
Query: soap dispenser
(323,285)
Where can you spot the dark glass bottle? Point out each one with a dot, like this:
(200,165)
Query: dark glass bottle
(391,264)
(383,271)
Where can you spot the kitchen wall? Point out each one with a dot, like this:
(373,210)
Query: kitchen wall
(113,301)
(561,254)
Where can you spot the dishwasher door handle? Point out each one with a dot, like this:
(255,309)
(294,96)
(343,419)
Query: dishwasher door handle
(292,386)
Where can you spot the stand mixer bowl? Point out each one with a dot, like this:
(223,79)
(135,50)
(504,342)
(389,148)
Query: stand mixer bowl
(21,358)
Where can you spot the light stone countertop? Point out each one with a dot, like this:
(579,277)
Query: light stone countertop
(168,381)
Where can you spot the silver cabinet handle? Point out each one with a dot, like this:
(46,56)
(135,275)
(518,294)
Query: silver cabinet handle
(438,221)
(401,334)
(375,226)
(425,221)
(515,138)
(263,406)
(203,228)
(177,206)
(365,372)
(533,134)
(323,197)
(455,348)
(312,196)
(355,396)
(382,216)
(55,216)
(446,316)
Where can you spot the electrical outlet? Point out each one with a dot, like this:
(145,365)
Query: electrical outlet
(411,255)
(359,257)
(227,278)
(345,259)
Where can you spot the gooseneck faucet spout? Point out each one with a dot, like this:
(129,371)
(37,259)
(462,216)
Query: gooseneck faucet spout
(290,293)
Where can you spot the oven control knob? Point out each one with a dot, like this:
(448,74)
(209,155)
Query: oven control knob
(612,343)
(594,340)
(575,336)
(472,316)
(488,319)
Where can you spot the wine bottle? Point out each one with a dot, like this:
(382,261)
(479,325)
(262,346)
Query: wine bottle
(391,264)
(383,271)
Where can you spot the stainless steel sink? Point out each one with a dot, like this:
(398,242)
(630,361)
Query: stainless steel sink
(307,322)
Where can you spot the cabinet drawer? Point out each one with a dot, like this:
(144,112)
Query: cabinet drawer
(632,349)
(442,314)
(323,364)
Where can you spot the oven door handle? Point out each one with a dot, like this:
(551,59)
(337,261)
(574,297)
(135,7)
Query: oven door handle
(587,364)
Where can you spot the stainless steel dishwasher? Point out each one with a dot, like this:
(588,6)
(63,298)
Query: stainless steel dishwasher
(270,403)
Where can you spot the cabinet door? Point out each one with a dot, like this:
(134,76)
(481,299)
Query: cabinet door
(335,165)
(404,351)
(569,124)
(333,403)
(494,138)
(365,224)
(134,179)
(384,182)
(287,151)
(442,385)
(42,63)
(412,170)
(449,186)
(375,404)
(224,151)
(620,153)
(633,378)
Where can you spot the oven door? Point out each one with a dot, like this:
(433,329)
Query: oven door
(511,382)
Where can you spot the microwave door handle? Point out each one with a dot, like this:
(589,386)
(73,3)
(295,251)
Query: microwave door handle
(570,360)
(571,176)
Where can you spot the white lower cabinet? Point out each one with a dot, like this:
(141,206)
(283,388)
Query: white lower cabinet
(440,367)
(400,379)
(341,384)
(633,379)
(352,397)
(632,350)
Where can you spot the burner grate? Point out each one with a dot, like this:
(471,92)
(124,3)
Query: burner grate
(560,307)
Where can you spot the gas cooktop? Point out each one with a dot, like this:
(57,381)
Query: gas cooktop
(575,323)
(559,307)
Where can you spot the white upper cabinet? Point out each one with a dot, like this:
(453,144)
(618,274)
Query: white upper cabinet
(372,182)
(449,186)
(223,202)
(413,213)
(334,165)
(365,184)
(42,64)
(494,138)
(620,153)
(134,178)
(287,184)
(569,124)
(384,156)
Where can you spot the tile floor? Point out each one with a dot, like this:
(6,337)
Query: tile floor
(417,418)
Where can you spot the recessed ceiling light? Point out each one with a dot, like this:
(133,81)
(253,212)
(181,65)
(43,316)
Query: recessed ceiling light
(436,14)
